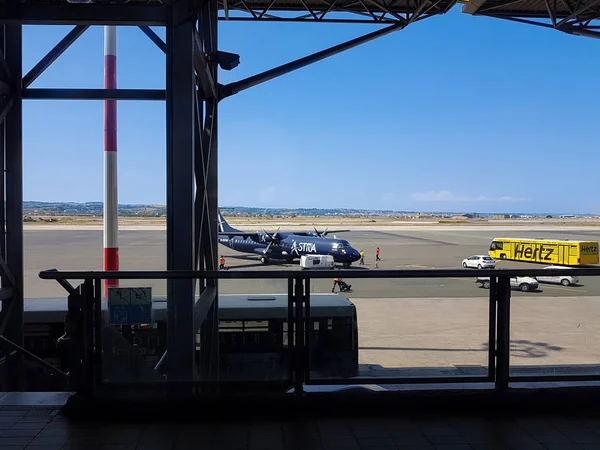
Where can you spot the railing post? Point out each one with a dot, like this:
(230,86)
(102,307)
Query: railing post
(70,343)
(308,327)
(299,337)
(290,331)
(503,332)
(87,337)
(98,332)
(492,342)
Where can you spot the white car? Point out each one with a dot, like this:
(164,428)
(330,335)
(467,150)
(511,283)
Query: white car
(565,280)
(479,262)
(524,284)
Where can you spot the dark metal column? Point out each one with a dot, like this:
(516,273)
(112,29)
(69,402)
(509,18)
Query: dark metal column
(208,26)
(13,133)
(206,201)
(180,191)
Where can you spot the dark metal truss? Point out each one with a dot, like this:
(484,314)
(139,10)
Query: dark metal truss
(345,11)
(577,17)
(154,12)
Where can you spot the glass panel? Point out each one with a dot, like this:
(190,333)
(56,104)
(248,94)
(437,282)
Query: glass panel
(554,328)
(253,330)
(400,328)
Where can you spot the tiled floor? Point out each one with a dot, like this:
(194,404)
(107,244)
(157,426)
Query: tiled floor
(43,427)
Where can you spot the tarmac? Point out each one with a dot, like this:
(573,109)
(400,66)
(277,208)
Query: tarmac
(416,323)
(428,248)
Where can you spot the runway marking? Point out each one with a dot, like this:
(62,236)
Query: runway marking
(417,266)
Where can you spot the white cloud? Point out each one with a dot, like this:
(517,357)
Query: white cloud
(447,196)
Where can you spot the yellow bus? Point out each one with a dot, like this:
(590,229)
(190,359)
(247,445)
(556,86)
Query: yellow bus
(545,251)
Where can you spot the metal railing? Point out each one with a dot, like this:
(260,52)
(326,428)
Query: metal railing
(85,303)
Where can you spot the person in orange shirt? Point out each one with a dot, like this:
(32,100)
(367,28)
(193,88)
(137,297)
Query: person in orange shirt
(336,282)
(377,258)
(222,263)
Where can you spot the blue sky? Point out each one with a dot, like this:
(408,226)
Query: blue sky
(453,113)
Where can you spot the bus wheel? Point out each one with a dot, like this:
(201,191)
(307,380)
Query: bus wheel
(565,282)
(502,256)
(486,284)
(524,287)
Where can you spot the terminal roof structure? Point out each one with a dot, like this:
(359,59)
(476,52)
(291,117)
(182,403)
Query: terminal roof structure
(570,16)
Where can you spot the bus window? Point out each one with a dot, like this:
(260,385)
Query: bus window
(497,245)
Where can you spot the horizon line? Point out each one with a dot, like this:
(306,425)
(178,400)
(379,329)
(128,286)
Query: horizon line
(320,208)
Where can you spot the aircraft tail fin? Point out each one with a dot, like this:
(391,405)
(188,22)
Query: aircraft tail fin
(224,227)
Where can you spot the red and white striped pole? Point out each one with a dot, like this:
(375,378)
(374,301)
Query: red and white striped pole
(111,218)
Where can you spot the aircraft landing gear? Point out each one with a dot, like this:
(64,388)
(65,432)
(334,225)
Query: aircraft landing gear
(264,259)
(346,265)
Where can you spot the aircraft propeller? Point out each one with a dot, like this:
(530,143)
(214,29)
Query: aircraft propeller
(321,234)
(273,238)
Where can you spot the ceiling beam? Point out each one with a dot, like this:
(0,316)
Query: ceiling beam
(471,6)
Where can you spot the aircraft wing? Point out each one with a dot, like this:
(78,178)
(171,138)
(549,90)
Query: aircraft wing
(313,233)
(325,233)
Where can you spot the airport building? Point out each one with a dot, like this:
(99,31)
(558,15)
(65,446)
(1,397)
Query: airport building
(225,341)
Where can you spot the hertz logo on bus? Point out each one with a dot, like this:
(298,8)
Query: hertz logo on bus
(589,248)
(531,253)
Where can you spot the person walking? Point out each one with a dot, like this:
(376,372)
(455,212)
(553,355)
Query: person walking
(377,258)
(222,263)
(336,282)
(362,258)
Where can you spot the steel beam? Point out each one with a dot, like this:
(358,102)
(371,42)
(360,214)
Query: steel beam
(238,86)
(6,282)
(55,13)
(203,305)
(53,54)
(472,6)
(180,193)
(154,37)
(13,132)
(308,20)
(203,70)
(583,32)
(206,207)
(94,94)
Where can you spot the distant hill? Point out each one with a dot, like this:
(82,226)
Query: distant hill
(89,209)
(94,209)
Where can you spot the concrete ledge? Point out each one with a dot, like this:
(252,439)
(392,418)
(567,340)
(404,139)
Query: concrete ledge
(347,403)
(35,399)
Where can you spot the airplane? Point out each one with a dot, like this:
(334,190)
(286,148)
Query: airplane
(287,245)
